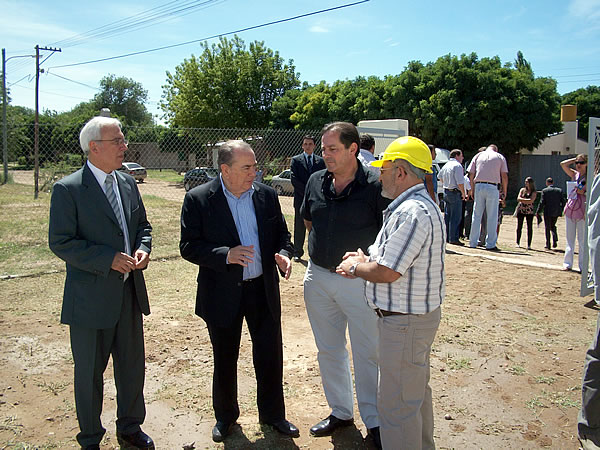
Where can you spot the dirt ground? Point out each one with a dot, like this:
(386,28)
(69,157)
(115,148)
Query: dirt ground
(506,363)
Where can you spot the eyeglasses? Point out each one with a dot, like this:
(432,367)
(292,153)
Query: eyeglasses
(580,162)
(383,169)
(117,141)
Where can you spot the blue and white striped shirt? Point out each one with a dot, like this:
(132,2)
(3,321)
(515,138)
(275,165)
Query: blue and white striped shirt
(412,242)
(244,216)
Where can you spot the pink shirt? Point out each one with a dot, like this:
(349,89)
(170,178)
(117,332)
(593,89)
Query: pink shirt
(487,166)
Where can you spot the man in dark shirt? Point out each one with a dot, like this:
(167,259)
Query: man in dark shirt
(302,167)
(343,211)
(552,204)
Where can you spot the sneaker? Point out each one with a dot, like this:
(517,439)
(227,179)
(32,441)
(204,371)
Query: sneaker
(493,249)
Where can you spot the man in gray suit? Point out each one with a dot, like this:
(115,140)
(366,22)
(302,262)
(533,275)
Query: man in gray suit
(98,226)
(552,204)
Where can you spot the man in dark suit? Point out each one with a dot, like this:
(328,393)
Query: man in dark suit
(233,229)
(552,204)
(98,226)
(303,166)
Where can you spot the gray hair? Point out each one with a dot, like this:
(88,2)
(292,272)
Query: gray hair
(92,131)
(225,153)
(419,173)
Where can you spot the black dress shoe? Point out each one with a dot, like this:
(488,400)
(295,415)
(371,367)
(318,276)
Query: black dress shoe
(221,430)
(139,439)
(374,433)
(286,428)
(327,426)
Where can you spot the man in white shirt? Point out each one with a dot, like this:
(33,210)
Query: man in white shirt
(452,176)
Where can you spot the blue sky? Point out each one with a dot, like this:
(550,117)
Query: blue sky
(560,38)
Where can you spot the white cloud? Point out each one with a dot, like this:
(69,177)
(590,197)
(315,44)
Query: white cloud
(584,16)
(318,29)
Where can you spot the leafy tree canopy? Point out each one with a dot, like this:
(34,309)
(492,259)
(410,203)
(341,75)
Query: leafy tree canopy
(588,105)
(455,102)
(125,98)
(227,86)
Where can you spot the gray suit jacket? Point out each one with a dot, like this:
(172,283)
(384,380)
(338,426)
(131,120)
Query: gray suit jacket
(85,233)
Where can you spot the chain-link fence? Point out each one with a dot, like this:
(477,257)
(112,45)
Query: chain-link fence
(167,154)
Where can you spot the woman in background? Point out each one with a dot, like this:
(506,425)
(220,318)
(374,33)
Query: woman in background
(526,198)
(575,208)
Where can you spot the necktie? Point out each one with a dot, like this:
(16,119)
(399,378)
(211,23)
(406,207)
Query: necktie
(309,161)
(112,198)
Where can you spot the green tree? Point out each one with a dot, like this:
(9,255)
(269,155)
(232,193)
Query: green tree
(125,98)
(465,102)
(227,86)
(588,105)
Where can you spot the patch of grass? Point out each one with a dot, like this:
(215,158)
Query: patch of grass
(10,423)
(168,175)
(544,380)
(52,387)
(517,370)
(456,363)
(535,402)
(9,178)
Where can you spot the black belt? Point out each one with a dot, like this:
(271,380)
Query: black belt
(381,313)
(253,280)
(486,182)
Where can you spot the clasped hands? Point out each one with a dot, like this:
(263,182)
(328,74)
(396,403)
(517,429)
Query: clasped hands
(244,254)
(348,260)
(124,263)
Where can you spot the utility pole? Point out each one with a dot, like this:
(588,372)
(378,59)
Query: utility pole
(36,171)
(4,106)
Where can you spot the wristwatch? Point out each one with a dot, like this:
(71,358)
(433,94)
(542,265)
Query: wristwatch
(353,269)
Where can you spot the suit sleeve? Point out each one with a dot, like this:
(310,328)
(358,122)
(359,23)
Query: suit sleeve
(193,245)
(285,239)
(65,241)
(143,236)
(298,184)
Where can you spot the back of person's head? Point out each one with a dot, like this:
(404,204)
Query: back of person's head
(367,141)
(454,153)
(549,181)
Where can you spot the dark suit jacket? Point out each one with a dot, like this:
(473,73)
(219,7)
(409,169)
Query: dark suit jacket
(552,202)
(208,232)
(85,233)
(301,174)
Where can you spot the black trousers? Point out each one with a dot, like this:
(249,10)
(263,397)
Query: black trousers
(529,219)
(91,349)
(299,233)
(267,354)
(550,226)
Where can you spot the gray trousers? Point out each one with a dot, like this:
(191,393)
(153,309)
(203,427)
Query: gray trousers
(91,349)
(404,399)
(589,417)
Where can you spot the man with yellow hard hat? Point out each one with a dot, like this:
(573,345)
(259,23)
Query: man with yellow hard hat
(405,286)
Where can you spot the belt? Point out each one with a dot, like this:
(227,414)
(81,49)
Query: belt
(486,182)
(253,280)
(452,190)
(381,313)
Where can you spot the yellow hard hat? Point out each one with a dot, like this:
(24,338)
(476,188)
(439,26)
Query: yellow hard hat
(409,148)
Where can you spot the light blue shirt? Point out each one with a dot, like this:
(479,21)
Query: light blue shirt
(244,216)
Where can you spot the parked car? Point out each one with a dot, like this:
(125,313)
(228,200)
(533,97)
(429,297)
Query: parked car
(199,175)
(135,170)
(282,183)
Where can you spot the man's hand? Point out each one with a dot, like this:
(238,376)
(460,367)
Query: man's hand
(123,263)
(242,255)
(348,260)
(284,264)
(141,259)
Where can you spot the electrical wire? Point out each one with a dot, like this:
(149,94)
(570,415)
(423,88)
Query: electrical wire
(138,21)
(73,81)
(254,27)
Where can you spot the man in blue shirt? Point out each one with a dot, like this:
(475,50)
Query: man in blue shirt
(233,229)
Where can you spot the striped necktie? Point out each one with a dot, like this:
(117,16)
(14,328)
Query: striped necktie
(112,198)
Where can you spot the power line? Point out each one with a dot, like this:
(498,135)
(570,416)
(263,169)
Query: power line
(214,36)
(138,21)
(73,81)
